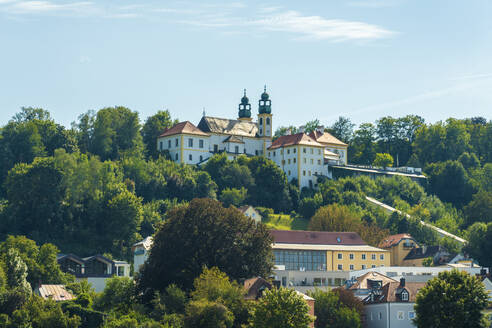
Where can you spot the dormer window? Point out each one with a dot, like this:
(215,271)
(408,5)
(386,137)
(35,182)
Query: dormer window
(404,295)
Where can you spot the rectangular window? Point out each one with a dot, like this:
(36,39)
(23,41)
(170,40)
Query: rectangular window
(373,256)
(304,150)
(169,144)
(351,256)
(363,256)
(304,172)
(160,145)
(319,151)
(304,161)
(381,257)
(340,256)
(351,267)
(294,159)
(268,154)
(273,153)
(319,162)
(373,266)
(216,148)
(363,266)
(288,151)
(190,157)
(289,172)
(190,142)
(294,150)
(340,267)
(236,149)
(200,143)
(177,142)
(288,160)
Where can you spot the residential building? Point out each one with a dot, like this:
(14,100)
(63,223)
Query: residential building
(305,259)
(392,304)
(488,287)
(95,269)
(141,251)
(399,247)
(300,157)
(416,256)
(362,286)
(251,213)
(57,293)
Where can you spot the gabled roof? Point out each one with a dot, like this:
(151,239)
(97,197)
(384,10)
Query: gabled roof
(225,126)
(316,237)
(326,138)
(185,127)
(392,290)
(392,240)
(294,139)
(233,139)
(54,292)
(146,243)
(254,287)
(362,281)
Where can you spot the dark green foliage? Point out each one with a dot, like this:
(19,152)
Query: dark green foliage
(331,312)
(233,196)
(480,208)
(118,295)
(308,206)
(449,180)
(454,299)
(480,243)
(206,314)
(89,318)
(154,126)
(280,308)
(211,235)
(342,129)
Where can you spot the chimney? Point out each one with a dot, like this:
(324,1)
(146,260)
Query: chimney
(402,282)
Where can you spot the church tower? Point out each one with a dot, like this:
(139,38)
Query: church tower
(265,115)
(244,109)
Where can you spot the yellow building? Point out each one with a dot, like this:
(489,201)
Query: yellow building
(399,247)
(325,251)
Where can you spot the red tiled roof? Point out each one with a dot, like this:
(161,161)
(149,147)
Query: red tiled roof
(393,240)
(294,139)
(326,138)
(316,237)
(183,127)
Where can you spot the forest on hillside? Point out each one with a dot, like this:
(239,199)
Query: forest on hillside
(101,185)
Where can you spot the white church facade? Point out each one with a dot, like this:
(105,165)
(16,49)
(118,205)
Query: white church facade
(301,156)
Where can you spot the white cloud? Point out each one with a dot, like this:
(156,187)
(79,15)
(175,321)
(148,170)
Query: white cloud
(47,6)
(319,28)
(473,77)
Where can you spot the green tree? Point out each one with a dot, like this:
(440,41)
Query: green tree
(214,286)
(383,160)
(330,312)
(309,205)
(480,243)
(362,149)
(280,308)
(154,126)
(453,299)
(233,196)
(118,295)
(428,262)
(480,208)
(206,314)
(16,272)
(343,129)
(116,130)
(311,126)
(210,235)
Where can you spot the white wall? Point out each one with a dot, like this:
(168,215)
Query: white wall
(397,271)
(312,161)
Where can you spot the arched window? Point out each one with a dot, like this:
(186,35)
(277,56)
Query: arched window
(176,156)
(261,120)
(268,121)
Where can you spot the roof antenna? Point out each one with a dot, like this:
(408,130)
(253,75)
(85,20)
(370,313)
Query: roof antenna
(245,92)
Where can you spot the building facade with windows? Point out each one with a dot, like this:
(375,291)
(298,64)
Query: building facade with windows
(300,156)
(318,258)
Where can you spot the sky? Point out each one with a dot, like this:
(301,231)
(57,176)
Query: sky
(362,59)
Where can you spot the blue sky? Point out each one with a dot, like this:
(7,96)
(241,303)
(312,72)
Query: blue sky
(319,59)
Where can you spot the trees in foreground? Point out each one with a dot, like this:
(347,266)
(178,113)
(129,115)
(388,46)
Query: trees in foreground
(280,308)
(336,309)
(454,299)
(205,234)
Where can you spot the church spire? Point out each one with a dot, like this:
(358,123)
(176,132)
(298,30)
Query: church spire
(245,108)
(265,104)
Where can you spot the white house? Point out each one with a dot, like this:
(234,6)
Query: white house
(141,252)
(250,212)
(300,157)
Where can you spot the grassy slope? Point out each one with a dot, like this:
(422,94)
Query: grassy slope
(285,222)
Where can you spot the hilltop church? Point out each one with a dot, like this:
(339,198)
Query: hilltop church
(302,157)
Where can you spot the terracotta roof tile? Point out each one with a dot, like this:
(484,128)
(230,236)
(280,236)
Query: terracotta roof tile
(326,138)
(183,127)
(294,139)
(316,237)
(393,240)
